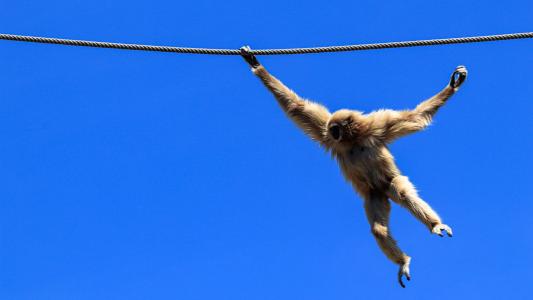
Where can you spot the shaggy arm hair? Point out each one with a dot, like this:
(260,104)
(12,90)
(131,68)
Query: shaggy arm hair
(311,117)
(391,124)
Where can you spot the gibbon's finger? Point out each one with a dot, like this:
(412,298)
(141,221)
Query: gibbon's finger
(461,78)
(453,80)
(245,53)
(245,50)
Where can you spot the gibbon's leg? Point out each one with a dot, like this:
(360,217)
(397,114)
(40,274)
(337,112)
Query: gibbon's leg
(377,208)
(404,193)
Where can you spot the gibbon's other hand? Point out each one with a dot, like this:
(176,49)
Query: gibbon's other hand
(249,57)
(458,77)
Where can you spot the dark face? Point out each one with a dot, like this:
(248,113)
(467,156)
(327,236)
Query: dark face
(345,127)
(335,130)
(339,130)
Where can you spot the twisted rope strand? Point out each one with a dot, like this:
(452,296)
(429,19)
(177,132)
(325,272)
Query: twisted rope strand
(360,47)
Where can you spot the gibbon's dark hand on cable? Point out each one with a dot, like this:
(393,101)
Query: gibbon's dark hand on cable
(249,57)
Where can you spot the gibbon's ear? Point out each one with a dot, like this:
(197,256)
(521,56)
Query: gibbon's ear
(249,57)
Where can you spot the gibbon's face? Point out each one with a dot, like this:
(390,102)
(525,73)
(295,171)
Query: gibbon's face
(344,127)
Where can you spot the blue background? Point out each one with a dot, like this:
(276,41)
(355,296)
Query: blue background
(135,175)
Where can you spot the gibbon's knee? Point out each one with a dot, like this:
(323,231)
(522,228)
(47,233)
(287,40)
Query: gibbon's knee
(402,189)
(404,193)
(380,231)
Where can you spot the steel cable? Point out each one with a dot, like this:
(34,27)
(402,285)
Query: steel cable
(359,47)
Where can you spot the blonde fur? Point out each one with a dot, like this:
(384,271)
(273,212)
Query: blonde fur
(359,143)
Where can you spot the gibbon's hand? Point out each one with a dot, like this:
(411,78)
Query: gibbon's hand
(458,77)
(249,57)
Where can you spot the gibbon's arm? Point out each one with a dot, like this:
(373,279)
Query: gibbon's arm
(311,117)
(391,124)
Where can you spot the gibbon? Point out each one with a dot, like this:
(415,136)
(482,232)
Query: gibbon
(359,143)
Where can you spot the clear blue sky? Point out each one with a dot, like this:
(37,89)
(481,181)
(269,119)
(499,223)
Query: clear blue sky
(134,175)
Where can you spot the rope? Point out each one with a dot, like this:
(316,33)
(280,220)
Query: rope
(463,40)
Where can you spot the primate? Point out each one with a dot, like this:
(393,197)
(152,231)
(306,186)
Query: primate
(359,143)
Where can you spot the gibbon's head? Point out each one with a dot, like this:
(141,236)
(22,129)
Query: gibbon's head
(345,127)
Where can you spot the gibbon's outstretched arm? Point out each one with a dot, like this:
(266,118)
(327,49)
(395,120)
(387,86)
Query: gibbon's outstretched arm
(390,124)
(311,117)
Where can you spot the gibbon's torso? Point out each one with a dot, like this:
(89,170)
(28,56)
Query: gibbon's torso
(368,165)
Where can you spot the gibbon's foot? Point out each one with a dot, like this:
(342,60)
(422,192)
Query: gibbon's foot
(458,76)
(404,271)
(249,57)
(437,229)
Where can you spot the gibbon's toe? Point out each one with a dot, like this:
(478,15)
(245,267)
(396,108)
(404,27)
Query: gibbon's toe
(404,271)
(448,230)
